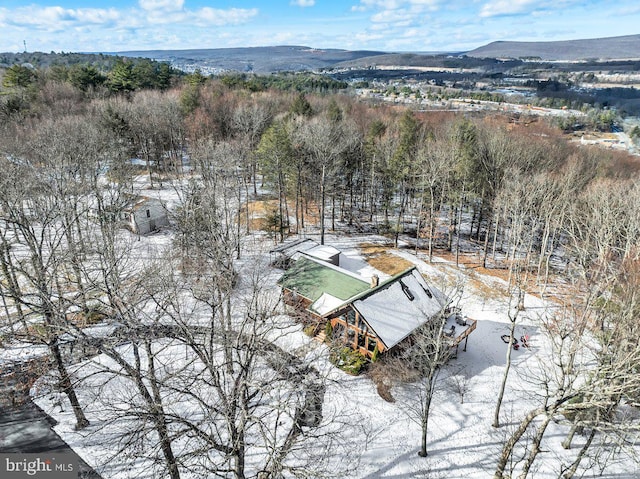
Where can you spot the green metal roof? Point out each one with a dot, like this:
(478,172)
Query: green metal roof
(311,279)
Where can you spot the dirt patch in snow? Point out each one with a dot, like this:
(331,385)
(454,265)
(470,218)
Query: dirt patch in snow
(555,288)
(261,209)
(381,258)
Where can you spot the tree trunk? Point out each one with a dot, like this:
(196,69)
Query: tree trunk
(458,228)
(474,217)
(159,418)
(67,385)
(485,248)
(322,194)
(8,271)
(583,451)
(480,218)
(147,158)
(544,244)
(503,385)
(372,202)
(298,203)
(452,215)
(239,460)
(535,447)
(425,420)
(246,191)
(286,212)
(432,224)
(333,212)
(507,449)
(566,444)
(400,216)
(418,225)
(239,218)
(495,238)
(280,206)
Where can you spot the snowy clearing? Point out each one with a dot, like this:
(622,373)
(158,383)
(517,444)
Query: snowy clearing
(461,441)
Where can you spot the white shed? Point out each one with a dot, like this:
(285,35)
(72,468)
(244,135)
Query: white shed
(145,215)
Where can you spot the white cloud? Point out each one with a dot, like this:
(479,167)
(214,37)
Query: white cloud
(219,17)
(110,29)
(521,7)
(303,3)
(398,12)
(162,5)
(392,16)
(56,17)
(506,7)
(384,4)
(394,4)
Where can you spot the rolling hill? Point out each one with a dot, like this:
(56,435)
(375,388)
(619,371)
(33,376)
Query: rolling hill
(256,59)
(624,47)
(300,58)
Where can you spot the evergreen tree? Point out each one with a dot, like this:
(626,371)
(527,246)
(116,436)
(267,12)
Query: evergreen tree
(84,77)
(301,106)
(121,78)
(18,76)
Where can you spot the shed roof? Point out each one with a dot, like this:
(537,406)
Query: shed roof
(323,252)
(288,248)
(135,202)
(311,278)
(399,306)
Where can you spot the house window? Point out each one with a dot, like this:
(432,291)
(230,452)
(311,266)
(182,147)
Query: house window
(361,340)
(371,345)
(351,317)
(362,326)
(148,213)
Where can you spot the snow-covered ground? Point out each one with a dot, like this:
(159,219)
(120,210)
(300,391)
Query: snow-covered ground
(461,441)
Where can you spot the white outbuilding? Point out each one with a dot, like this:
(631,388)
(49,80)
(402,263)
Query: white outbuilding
(145,215)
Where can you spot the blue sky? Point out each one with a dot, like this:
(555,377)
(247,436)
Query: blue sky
(388,25)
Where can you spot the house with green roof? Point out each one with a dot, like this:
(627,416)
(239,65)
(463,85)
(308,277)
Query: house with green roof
(368,315)
(319,286)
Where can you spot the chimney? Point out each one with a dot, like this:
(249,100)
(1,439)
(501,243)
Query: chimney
(375,281)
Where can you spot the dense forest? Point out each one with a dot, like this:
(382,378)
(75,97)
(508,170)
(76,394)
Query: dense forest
(540,209)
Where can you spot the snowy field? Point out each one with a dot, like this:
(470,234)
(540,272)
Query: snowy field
(461,440)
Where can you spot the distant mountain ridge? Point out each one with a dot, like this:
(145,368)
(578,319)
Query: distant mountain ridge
(619,48)
(303,58)
(257,59)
